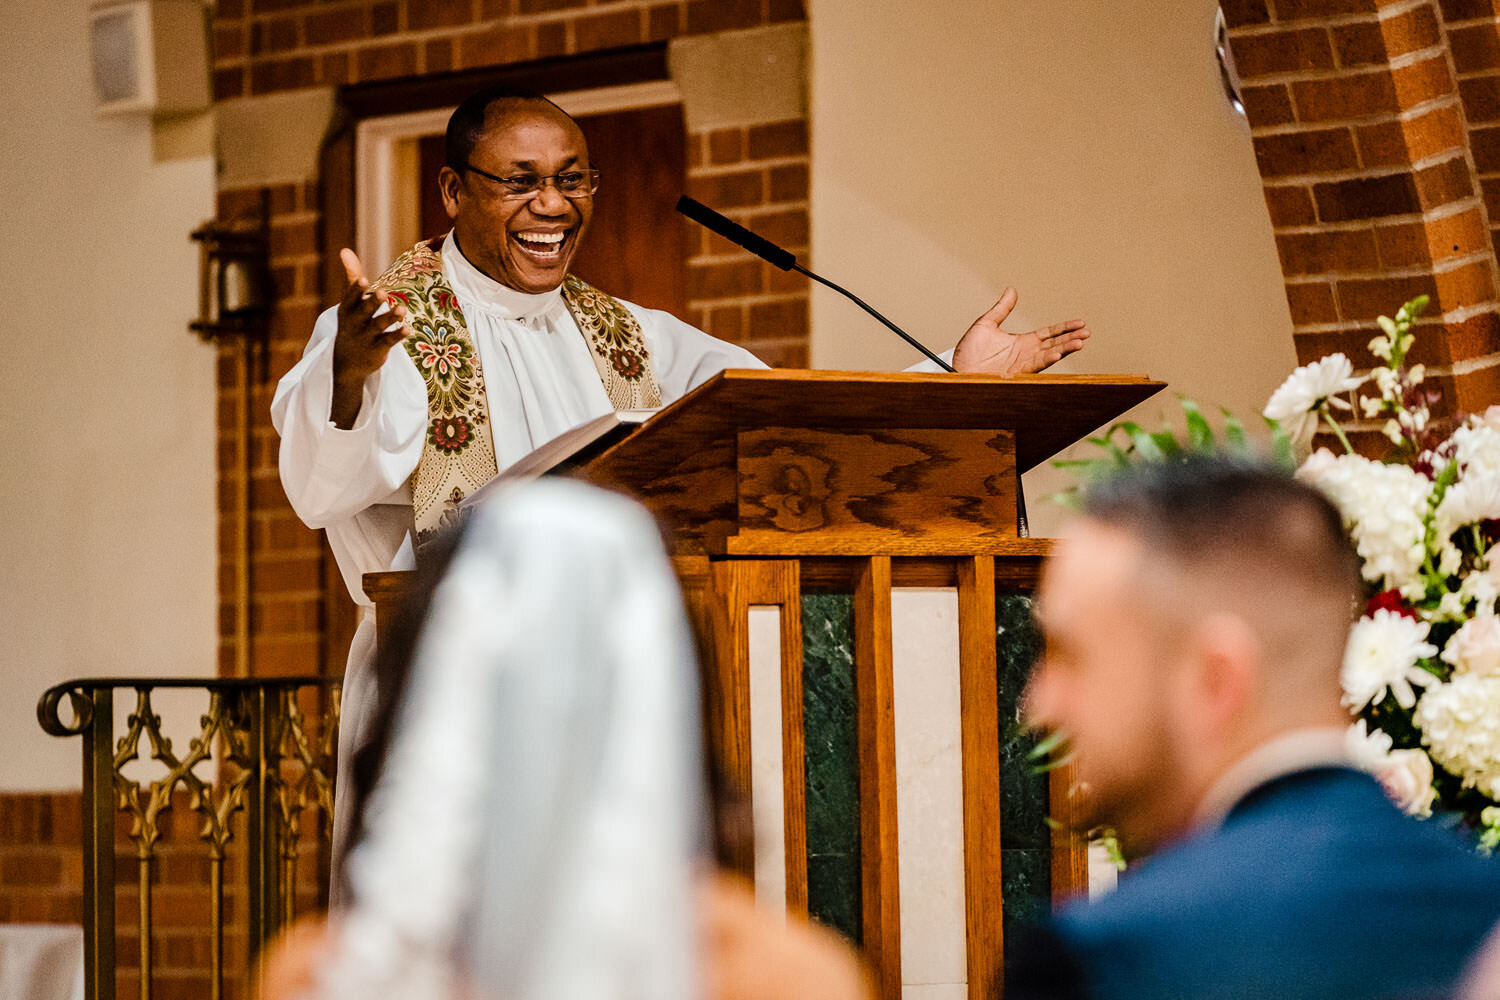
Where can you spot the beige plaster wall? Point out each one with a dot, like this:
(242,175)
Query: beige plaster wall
(1083,152)
(107,459)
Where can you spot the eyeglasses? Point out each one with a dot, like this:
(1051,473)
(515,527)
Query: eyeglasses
(569,183)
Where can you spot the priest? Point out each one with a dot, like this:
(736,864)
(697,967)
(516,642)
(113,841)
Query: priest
(501,350)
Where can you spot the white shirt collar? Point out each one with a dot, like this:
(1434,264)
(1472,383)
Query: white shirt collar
(1299,750)
(488,295)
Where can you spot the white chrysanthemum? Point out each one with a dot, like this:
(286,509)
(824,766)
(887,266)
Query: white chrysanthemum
(1477,449)
(1460,722)
(1474,498)
(1317,465)
(1385,507)
(1296,403)
(1381,656)
(1367,748)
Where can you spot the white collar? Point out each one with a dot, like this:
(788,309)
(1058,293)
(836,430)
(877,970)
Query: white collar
(478,289)
(1298,750)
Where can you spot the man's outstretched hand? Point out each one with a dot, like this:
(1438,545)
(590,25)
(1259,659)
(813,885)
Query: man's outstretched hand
(364,339)
(986,349)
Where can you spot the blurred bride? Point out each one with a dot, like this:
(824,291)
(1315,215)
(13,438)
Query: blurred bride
(532,817)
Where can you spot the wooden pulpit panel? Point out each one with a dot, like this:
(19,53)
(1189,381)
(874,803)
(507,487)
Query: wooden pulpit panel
(877,485)
(798,463)
(1048,412)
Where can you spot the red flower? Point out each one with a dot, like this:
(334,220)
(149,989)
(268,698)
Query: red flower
(402,298)
(1391,600)
(444,357)
(444,300)
(627,363)
(449,434)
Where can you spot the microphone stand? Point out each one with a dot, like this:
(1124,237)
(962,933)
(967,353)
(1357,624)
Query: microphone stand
(945,366)
(787,261)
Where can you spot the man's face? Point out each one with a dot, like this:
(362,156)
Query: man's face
(1103,681)
(528,242)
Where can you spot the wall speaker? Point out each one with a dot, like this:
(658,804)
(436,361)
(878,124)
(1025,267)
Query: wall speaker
(149,56)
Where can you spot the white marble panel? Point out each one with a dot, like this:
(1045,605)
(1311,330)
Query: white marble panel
(935,991)
(767,805)
(1103,875)
(929,790)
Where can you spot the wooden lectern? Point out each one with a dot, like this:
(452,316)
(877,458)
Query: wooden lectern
(772,484)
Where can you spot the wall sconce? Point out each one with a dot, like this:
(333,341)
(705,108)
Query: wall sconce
(233,280)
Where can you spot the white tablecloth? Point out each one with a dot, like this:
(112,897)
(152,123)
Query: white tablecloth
(41,962)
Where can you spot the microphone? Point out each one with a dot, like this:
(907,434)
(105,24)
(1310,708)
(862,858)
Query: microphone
(787,261)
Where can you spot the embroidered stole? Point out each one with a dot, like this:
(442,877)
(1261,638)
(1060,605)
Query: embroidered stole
(458,455)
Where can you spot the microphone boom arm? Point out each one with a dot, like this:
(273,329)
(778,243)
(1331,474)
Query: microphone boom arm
(945,366)
(784,259)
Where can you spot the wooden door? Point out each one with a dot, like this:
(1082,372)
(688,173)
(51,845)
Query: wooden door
(637,246)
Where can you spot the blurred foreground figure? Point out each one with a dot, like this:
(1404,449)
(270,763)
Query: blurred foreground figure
(1195,619)
(538,830)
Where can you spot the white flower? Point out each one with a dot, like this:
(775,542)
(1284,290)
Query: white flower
(1489,418)
(1296,404)
(1387,382)
(1367,748)
(1385,507)
(1317,465)
(1474,498)
(1450,607)
(1479,587)
(1475,647)
(1381,655)
(1406,775)
(1477,449)
(1460,722)
(1407,779)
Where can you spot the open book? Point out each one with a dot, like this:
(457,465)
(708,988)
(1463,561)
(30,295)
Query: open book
(568,450)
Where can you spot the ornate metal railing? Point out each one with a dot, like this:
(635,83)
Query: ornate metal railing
(263,754)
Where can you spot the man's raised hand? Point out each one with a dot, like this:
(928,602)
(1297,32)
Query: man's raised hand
(987,349)
(363,341)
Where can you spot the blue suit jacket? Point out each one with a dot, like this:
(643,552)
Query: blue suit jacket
(1315,886)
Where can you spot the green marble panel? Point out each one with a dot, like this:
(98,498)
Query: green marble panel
(1026,861)
(832,755)
(832,764)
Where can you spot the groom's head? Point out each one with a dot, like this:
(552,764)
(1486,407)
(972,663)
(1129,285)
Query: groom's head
(1194,612)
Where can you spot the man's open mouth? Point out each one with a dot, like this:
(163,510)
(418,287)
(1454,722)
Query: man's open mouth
(544,247)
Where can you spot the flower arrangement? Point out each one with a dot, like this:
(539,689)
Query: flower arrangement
(1421,672)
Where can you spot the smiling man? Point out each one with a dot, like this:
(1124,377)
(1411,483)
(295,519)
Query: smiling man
(502,350)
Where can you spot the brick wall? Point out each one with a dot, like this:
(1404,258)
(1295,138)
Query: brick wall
(1370,148)
(41,860)
(1474,46)
(759,175)
(41,881)
(287,560)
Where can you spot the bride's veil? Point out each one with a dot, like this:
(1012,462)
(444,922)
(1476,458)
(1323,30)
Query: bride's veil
(534,831)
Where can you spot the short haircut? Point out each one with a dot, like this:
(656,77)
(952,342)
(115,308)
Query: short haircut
(467,123)
(1232,516)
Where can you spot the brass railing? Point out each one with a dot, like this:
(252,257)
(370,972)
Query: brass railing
(264,752)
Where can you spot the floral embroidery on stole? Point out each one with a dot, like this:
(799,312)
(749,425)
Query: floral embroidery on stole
(458,455)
